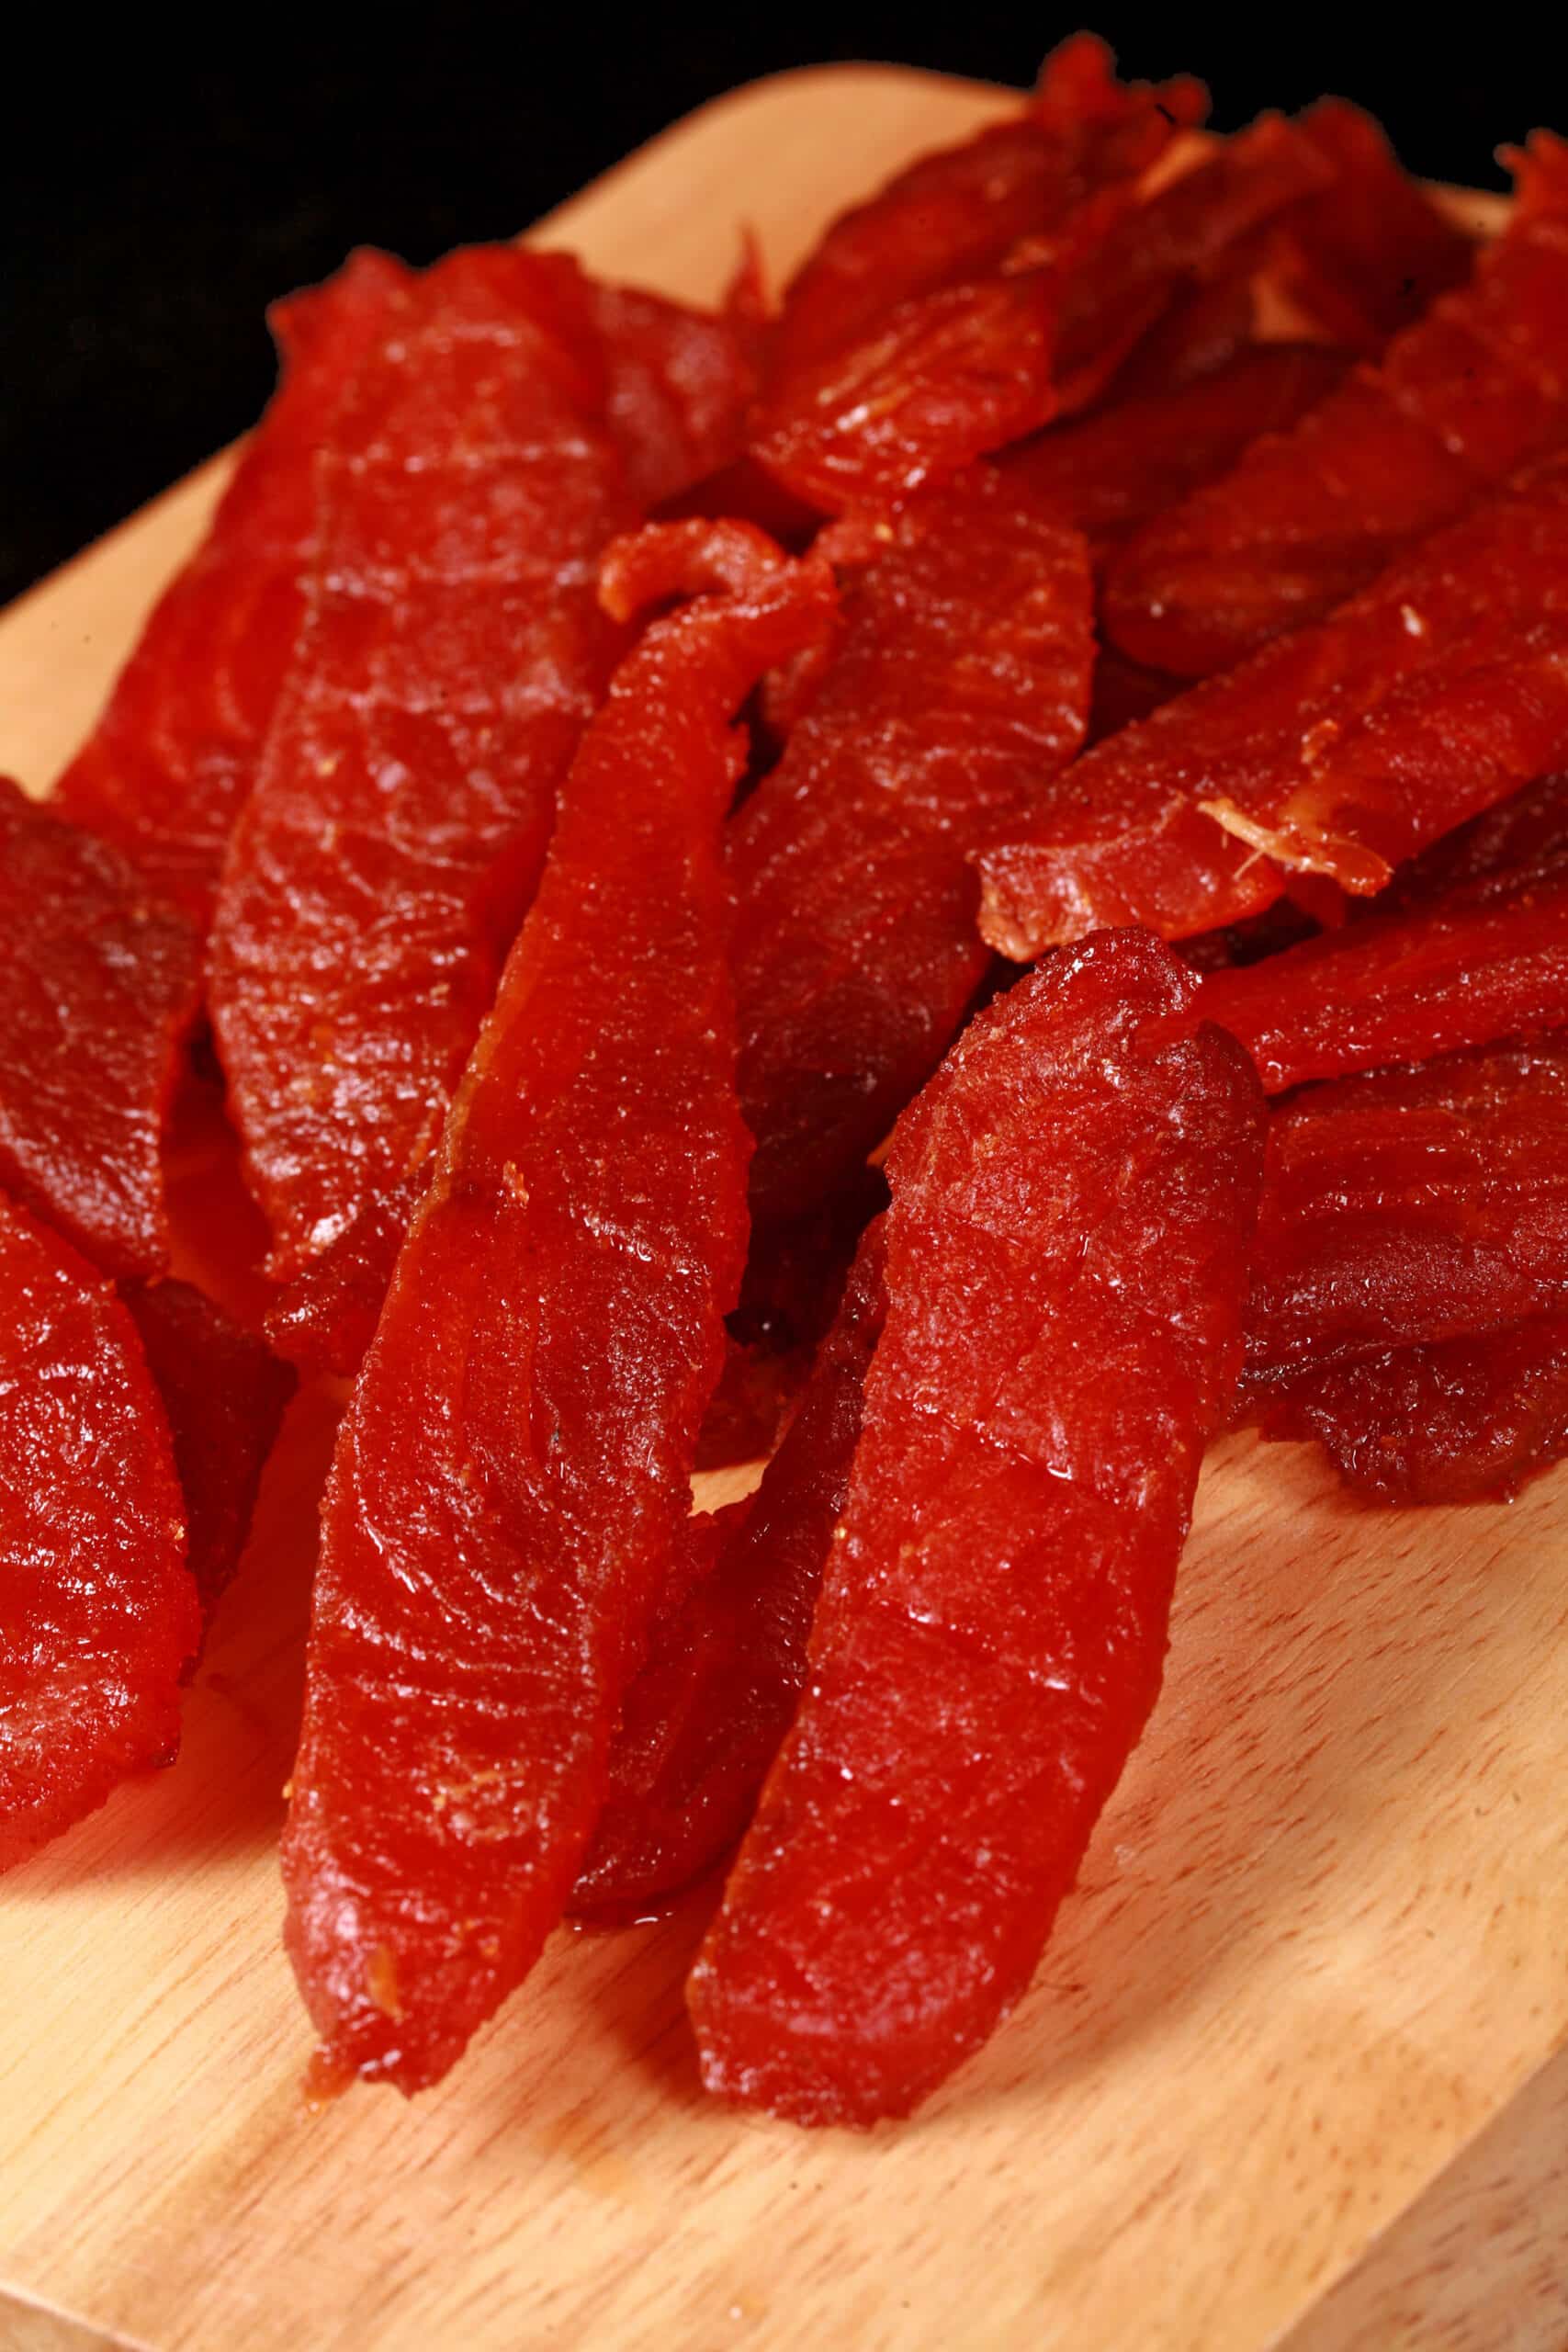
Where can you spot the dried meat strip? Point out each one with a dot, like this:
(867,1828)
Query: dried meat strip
(1066,1261)
(513,1469)
(98,1613)
(175,754)
(680,383)
(102,990)
(1457,402)
(453,651)
(1524,834)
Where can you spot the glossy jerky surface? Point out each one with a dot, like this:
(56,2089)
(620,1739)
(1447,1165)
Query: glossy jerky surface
(98,1612)
(514,1466)
(961,685)
(1340,751)
(452,653)
(102,989)
(1066,1255)
(1413,1206)
(704,1719)
(175,752)
(1458,402)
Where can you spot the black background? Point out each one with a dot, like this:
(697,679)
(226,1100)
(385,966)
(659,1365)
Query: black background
(165,184)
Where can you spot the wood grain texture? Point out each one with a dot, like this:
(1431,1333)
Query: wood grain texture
(1316,1951)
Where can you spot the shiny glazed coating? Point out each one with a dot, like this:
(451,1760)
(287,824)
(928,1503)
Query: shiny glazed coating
(452,653)
(98,1612)
(176,749)
(1341,750)
(102,990)
(513,1468)
(1457,402)
(1066,1261)
(704,1719)
(961,685)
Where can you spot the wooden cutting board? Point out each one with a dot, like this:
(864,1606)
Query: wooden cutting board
(1290,2069)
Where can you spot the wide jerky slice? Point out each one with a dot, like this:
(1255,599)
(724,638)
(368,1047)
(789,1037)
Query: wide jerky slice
(175,752)
(1413,1206)
(102,990)
(514,1464)
(225,1394)
(1458,402)
(1465,1421)
(1110,472)
(1484,962)
(1341,750)
(961,683)
(98,1612)
(1368,255)
(704,1718)
(453,651)
(679,381)
(1066,1256)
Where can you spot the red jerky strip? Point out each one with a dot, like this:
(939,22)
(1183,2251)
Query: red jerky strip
(1372,252)
(1465,1421)
(1526,833)
(175,752)
(1485,961)
(1111,471)
(704,1719)
(680,383)
(98,1609)
(1202,330)
(102,989)
(1341,750)
(1413,1206)
(1457,402)
(1066,1256)
(225,1394)
(961,683)
(453,651)
(513,1468)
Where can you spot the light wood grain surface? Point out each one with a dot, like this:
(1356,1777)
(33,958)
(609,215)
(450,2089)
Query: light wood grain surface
(1291,2062)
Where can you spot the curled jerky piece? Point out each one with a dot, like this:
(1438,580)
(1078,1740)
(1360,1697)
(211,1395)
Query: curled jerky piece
(452,653)
(1458,402)
(1340,751)
(225,1394)
(1066,1255)
(1413,1206)
(1484,962)
(514,1466)
(102,990)
(961,683)
(705,1717)
(175,752)
(98,1612)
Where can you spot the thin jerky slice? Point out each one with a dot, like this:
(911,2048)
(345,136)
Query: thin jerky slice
(513,1468)
(1341,750)
(1458,402)
(961,683)
(225,1394)
(1066,1255)
(1413,1206)
(452,653)
(704,1719)
(175,754)
(1485,961)
(679,382)
(1466,1420)
(102,990)
(98,1611)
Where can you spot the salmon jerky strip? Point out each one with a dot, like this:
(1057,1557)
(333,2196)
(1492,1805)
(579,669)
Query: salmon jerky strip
(680,383)
(102,993)
(1457,402)
(513,1468)
(175,752)
(1341,750)
(1066,1263)
(1524,834)
(961,681)
(453,651)
(98,1613)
